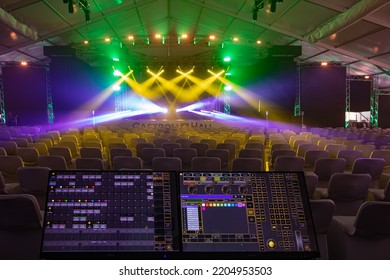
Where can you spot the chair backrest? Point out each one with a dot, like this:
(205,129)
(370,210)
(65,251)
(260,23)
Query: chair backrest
(322,211)
(20,142)
(289,163)
(117,145)
(348,192)
(366,149)
(350,156)
(167,164)
(185,143)
(234,141)
(311,156)
(373,219)
(206,163)
(89,163)
(280,147)
(47,141)
(41,147)
(254,145)
(250,153)
(141,146)
(19,212)
(61,151)
(350,144)
(5,135)
(71,145)
(334,149)
(93,144)
(3,152)
(186,155)
(127,162)
(159,141)
(201,148)
(324,168)
(9,146)
(53,162)
(247,164)
(311,183)
(211,142)
(29,155)
(149,153)
(120,152)
(302,148)
(169,148)
(372,166)
(91,153)
(385,154)
(223,155)
(33,180)
(9,166)
(228,146)
(278,153)
(2,184)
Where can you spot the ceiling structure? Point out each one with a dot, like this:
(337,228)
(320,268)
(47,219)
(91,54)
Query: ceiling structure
(351,31)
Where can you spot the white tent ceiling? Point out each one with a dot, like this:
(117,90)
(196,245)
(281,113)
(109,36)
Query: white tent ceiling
(363,41)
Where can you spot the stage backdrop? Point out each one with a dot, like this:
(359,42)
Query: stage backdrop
(25,95)
(323,95)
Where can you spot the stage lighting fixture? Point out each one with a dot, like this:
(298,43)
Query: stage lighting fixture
(212,37)
(116,87)
(227,59)
(86,42)
(324,63)
(228,74)
(259,42)
(23,63)
(115,59)
(130,37)
(107,40)
(184,36)
(117,73)
(228,88)
(235,39)
(367,77)
(158,36)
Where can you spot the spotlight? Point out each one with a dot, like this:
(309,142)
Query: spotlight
(130,37)
(158,36)
(227,59)
(259,42)
(212,37)
(367,77)
(23,63)
(184,36)
(235,39)
(228,88)
(115,59)
(116,87)
(107,40)
(86,42)
(117,73)
(324,63)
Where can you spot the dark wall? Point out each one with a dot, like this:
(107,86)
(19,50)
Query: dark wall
(74,87)
(25,95)
(383,111)
(323,96)
(360,96)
